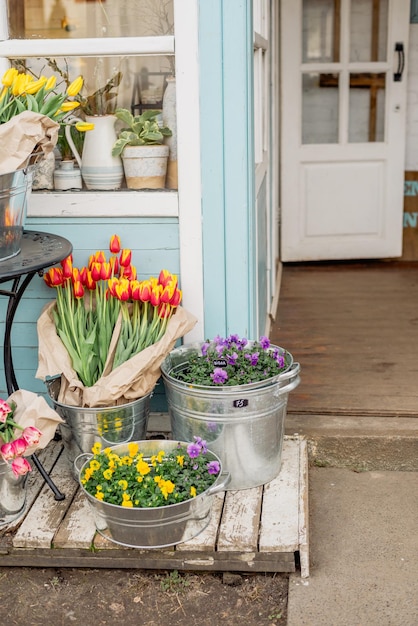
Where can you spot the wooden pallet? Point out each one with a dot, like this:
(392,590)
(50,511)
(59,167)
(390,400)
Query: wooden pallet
(264,529)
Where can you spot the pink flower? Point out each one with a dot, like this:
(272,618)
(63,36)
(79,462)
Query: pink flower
(20,466)
(31,435)
(19,446)
(6,451)
(4,411)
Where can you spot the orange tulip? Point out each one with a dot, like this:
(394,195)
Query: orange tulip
(145,291)
(114,246)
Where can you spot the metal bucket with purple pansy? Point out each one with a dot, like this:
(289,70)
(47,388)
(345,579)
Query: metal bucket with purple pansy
(242,424)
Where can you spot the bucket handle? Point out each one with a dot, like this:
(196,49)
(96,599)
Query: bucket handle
(77,460)
(220,486)
(291,372)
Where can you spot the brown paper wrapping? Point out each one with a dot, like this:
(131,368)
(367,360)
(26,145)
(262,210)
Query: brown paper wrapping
(33,410)
(130,381)
(24,135)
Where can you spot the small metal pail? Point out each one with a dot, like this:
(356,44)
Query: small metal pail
(15,189)
(12,494)
(243,425)
(109,425)
(157,527)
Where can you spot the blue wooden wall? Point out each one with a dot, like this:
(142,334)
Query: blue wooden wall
(228,205)
(154,244)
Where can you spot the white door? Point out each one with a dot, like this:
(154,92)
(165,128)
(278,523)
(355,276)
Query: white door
(343,128)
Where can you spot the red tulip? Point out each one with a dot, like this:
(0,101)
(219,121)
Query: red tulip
(105,271)
(78,289)
(176,299)
(122,290)
(89,282)
(114,246)
(145,291)
(96,270)
(67,266)
(135,290)
(125,257)
(54,277)
(114,262)
(155,296)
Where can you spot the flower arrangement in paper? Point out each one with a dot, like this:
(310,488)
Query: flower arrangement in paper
(103,298)
(22,92)
(135,481)
(233,361)
(16,439)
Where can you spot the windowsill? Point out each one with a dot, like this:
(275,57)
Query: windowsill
(129,203)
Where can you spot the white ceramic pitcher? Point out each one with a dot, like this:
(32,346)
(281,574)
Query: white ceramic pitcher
(99,169)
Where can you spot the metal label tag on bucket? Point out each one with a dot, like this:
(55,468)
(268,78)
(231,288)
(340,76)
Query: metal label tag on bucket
(239,404)
(220,363)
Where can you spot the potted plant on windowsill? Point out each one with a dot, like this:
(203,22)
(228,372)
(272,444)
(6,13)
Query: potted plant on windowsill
(233,393)
(140,144)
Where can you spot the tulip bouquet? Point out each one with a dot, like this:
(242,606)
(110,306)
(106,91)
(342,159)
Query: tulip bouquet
(31,112)
(104,317)
(26,424)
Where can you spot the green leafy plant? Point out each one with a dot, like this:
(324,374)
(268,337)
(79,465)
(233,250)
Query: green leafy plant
(141,130)
(233,361)
(133,480)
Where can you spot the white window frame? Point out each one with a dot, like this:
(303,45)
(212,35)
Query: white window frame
(186,203)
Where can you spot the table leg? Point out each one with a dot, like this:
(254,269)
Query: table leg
(15,295)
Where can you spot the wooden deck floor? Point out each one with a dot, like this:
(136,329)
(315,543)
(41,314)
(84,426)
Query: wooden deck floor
(256,530)
(354,329)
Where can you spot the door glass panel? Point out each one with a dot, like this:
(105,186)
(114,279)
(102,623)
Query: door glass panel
(61,19)
(367,108)
(368,30)
(320,97)
(321,34)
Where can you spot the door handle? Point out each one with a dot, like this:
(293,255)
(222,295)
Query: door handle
(397,77)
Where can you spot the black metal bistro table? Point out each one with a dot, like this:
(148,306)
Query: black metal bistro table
(38,251)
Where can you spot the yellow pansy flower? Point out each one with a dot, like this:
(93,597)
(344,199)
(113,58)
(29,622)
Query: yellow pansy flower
(133,448)
(193,492)
(96,447)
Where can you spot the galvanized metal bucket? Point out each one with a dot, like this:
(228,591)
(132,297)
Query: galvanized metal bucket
(157,527)
(243,425)
(109,425)
(15,189)
(12,494)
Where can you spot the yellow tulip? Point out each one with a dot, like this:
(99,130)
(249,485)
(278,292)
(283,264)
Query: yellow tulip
(20,84)
(9,76)
(50,83)
(84,126)
(68,106)
(3,93)
(75,87)
(36,85)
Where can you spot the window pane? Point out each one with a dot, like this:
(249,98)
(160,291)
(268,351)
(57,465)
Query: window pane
(60,19)
(135,82)
(319,108)
(368,30)
(321,35)
(367,108)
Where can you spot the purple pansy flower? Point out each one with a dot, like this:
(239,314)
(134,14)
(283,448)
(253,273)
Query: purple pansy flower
(232,358)
(265,343)
(205,347)
(193,450)
(219,376)
(213,467)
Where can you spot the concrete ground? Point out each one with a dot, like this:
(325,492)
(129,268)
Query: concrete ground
(363,550)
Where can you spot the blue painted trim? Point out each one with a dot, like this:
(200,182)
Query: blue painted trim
(226,64)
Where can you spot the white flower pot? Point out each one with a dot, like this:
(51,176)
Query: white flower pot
(145,166)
